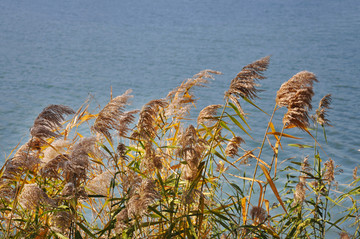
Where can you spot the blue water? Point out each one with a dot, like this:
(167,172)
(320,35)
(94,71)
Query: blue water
(59,52)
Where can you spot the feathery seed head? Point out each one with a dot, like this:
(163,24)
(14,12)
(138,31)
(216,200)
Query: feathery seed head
(207,115)
(32,196)
(49,120)
(57,147)
(321,112)
(243,85)
(100,184)
(233,146)
(110,116)
(329,174)
(299,194)
(258,215)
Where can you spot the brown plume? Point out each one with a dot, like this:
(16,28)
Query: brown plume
(111,114)
(321,112)
(147,126)
(233,146)
(181,97)
(208,114)
(243,85)
(296,94)
(49,120)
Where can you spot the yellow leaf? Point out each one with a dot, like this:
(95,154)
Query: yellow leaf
(273,187)
(283,135)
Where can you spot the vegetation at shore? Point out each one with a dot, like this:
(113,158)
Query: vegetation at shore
(159,173)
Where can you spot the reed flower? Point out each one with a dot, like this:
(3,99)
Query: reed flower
(101,183)
(124,121)
(130,181)
(61,221)
(329,174)
(75,169)
(258,215)
(207,115)
(147,126)
(299,193)
(49,120)
(244,84)
(6,191)
(111,114)
(233,146)
(122,220)
(32,196)
(181,97)
(321,112)
(355,177)
(191,151)
(57,147)
(296,94)
(151,160)
(145,195)
(24,159)
(52,167)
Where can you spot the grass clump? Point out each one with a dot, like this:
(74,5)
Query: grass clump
(170,177)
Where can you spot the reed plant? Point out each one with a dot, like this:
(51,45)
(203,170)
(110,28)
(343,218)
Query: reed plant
(159,172)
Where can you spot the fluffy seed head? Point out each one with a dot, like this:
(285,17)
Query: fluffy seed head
(258,215)
(32,196)
(110,115)
(233,146)
(207,115)
(244,84)
(101,183)
(181,98)
(49,120)
(321,112)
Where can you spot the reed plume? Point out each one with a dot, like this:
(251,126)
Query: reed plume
(258,215)
(321,112)
(57,147)
(151,160)
(51,168)
(296,94)
(122,220)
(299,193)
(61,221)
(49,120)
(111,114)
(244,84)
(145,195)
(32,196)
(124,121)
(191,150)
(233,146)
(329,174)
(181,97)
(101,183)
(24,159)
(207,115)
(147,125)
(75,169)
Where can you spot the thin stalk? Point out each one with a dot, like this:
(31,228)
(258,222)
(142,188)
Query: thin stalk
(257,161)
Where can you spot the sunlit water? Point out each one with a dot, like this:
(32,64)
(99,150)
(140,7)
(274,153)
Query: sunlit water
(59,52)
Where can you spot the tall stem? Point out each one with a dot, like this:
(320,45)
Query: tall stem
(257,162)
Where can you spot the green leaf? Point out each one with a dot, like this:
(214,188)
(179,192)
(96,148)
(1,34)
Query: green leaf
(85,230)
(249,101)
(239,114)
(238,124)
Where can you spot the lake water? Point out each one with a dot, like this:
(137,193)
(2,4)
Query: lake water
(59,52)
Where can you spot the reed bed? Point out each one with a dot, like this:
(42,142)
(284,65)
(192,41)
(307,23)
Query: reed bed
(157,173)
